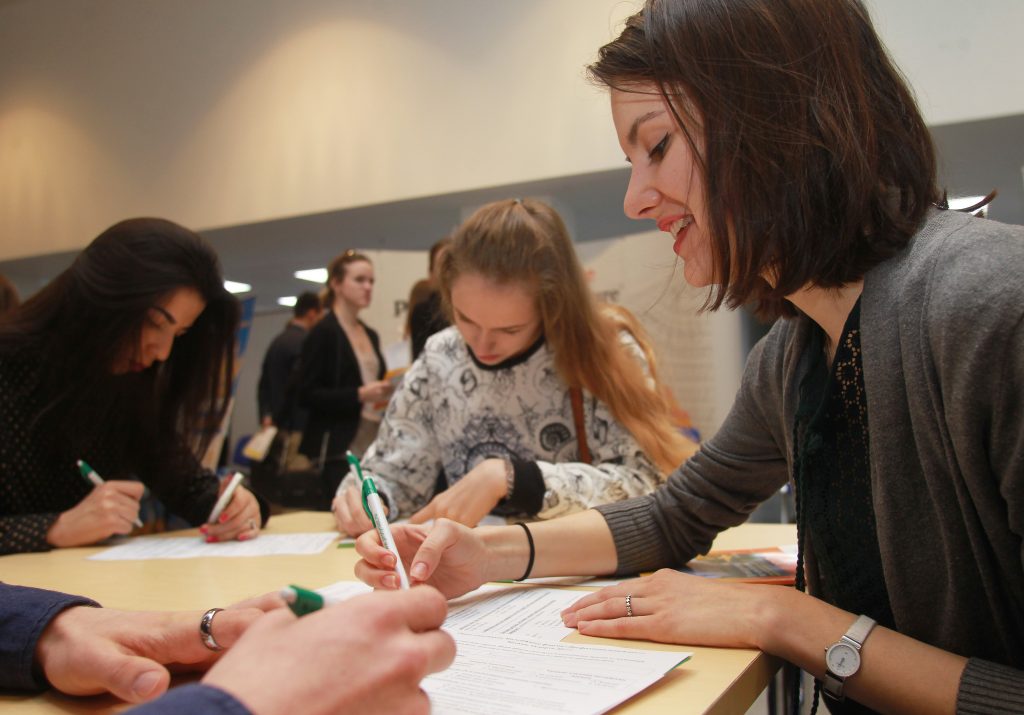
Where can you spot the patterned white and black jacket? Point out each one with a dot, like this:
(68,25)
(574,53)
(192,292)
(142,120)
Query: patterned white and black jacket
(452,412)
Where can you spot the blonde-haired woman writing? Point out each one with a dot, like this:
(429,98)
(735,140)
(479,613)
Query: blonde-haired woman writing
(490,404)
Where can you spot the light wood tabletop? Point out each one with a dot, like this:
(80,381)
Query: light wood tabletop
(715,680)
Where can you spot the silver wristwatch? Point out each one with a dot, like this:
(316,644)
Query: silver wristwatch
(842,658)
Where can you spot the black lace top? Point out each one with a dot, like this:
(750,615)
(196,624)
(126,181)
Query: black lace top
(833,480)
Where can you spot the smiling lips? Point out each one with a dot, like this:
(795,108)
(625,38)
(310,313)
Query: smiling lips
(676,227)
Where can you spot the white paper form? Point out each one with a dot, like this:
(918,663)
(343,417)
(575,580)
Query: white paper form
(188,547)
(500,675)
(491,609)
(522,612)
(509,662)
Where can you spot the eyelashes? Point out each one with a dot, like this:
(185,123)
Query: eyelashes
(659,149)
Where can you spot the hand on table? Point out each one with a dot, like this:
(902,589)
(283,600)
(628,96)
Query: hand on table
(110,508)
(86,650)
(471,498)
(366,655)
(241,518)
(448,556)
(673,607)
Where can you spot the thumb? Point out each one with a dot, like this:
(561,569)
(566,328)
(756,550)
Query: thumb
(133,678)
(432,550)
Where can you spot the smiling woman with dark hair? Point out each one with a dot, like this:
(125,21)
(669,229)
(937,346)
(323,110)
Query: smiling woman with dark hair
(780,149)
(87,372)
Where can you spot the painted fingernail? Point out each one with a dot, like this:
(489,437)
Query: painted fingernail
(223,518)
(202,529)
(211,539)
(244,537)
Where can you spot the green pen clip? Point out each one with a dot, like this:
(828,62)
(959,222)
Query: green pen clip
(368,486)
(302,601)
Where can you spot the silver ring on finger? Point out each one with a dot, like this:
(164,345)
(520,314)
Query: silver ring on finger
(252,524)
(629,605)
(206,630)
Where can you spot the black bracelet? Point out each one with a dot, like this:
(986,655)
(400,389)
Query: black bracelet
(533,552)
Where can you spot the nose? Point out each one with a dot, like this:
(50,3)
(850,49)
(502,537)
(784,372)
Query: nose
(484,343)
(640,197)
(160,349)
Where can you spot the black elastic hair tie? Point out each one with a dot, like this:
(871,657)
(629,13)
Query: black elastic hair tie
(533,552)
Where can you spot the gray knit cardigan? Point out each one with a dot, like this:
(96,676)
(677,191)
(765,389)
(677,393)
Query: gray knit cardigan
(942,333)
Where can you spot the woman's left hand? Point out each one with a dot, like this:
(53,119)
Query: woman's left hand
(240,519)
(471,498)
(673,607)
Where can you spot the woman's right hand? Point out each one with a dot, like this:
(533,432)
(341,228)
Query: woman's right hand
(110,508)
(375,392)
(349,515)
(446,555)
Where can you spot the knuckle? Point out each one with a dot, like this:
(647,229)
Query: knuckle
(410,663)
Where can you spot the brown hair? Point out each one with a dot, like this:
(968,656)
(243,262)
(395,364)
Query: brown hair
(442,244)
(526,241)
(8,295)
(336,271)
(305,302)
(419,292)
(817,164)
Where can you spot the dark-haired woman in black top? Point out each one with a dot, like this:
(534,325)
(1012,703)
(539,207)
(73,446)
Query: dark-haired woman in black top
(87,372)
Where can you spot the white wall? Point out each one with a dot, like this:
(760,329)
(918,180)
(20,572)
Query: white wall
(218,112)
(962,58)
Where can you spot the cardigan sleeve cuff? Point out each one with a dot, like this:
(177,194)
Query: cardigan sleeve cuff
(195,698)
(987,687)
(528,489)
(636,546)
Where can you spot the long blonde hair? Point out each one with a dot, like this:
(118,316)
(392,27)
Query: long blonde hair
(526,241)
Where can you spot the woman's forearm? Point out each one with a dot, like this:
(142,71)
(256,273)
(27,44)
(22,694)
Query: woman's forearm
(577,545)
(897,673)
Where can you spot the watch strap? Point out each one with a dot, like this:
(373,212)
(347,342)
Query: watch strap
(859,631)
(855,637)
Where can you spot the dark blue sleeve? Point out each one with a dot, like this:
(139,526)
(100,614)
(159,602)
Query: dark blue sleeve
(24,615)
(198,699)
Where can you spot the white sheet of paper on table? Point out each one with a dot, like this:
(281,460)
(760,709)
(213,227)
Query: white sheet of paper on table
(509,660)
(189,547)
(502,675)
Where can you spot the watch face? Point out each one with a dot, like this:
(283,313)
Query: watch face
(842,659)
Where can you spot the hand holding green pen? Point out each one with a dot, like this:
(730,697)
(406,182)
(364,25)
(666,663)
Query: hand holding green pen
(374,508)
(108,509)
(90,475)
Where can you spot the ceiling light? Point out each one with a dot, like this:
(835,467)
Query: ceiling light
(313,275)
(288,300)
(236,287)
